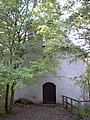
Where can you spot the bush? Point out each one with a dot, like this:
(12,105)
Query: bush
(83,113)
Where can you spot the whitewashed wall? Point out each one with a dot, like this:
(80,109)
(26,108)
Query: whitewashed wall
(63,82)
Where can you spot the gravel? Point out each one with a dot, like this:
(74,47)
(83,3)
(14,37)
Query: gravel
(38,112)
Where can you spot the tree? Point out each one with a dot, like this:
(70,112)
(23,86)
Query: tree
(15,19)
(32,39)
(21,38)
(80,23)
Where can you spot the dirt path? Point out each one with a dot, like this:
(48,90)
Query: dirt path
(42,112)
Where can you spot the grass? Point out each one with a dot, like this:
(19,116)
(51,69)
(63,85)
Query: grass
(83,113)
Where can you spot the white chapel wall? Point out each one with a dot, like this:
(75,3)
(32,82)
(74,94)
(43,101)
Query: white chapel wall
(63,82)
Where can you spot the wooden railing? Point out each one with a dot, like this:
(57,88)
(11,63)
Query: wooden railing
(72,103)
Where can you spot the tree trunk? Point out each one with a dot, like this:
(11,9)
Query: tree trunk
(6,98)
(12,98)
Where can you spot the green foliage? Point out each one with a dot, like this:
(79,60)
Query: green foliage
(79,20)
(49,26)
(22,31)
(31,40)
(83,113)
(3,113)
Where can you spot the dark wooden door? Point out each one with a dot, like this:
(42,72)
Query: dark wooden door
(49,93)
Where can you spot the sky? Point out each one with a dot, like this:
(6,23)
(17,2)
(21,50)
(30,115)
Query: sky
(74,37)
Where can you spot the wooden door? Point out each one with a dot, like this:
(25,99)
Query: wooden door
(49,93)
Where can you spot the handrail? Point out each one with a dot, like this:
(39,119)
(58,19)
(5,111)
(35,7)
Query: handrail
(84,100)
(71,102)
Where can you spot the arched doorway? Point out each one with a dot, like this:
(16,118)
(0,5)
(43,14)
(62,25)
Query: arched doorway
(49,93)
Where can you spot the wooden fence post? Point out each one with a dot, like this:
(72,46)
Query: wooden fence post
(71,105)
(62,99)
(66,103)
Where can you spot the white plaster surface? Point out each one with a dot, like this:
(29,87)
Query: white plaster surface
(63,82)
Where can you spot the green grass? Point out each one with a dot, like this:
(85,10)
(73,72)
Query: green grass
(83,113)
(3,113)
